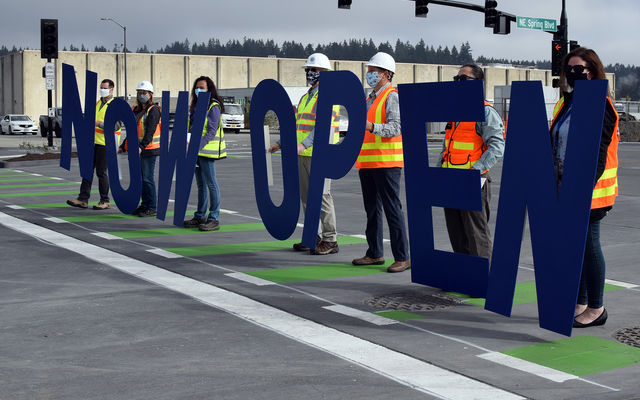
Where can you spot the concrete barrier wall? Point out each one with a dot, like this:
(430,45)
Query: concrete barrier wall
(22,86)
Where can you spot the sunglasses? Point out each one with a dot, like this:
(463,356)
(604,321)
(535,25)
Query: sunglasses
(458,78)
(311,69)
(578,69)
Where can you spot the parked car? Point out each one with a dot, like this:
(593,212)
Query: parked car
(17,123)
(625,116)
(233,118)
(56,123)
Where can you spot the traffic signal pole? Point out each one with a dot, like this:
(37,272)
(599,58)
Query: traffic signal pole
(49,106)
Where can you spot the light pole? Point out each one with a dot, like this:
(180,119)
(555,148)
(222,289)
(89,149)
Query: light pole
(124,49)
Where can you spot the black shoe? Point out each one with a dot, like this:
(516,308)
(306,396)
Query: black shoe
(138,210)
(194,222)
(211,225)
(147,212)
(596,322)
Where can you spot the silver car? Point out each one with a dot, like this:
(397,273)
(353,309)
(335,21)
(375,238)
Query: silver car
(17,123)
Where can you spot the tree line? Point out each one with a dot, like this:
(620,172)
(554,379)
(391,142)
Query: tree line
(627,76)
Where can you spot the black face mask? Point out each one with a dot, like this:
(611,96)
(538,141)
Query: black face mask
(572,77)
(312,77)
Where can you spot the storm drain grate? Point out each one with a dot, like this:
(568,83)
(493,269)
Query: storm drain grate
(630,336)
(411,301)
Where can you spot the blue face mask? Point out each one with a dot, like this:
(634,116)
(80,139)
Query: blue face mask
(373,78)
(198,91)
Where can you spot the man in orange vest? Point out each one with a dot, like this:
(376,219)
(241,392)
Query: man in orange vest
(477,145)
(99,154)
(380,164)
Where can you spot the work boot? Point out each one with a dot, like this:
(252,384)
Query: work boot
(210,225)
(399,266)
(301,247)
(147,212)
(138,210)
(366,260)
(77,203)
(102,205)
(325,248)
(194,222)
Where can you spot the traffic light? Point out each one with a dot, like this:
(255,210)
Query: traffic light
(490,13)
(48,38)
(558,51)
(573,44)
(421,8)
(346,4)
(502,25)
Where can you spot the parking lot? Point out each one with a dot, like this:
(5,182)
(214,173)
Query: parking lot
(97,304)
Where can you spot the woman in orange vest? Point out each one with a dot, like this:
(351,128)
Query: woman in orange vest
(581,64)
(148,115)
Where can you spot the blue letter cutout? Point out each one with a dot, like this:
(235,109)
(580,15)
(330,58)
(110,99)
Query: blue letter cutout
(280,221)
(127,200)
(72,117)
(333,160)
(428,187)
(175,157)
(558,221)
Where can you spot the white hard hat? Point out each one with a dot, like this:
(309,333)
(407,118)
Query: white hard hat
(145,85)
(318,60)
(384,61)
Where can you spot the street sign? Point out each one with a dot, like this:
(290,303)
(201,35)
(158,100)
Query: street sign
(550,25)
(50,76)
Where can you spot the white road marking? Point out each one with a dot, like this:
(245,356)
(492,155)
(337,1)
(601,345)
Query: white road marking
(15,207)
(250,279)
(527,366)
(164,253)
(106,235)
(222,210)
(56,178)
(56,220)
(620,283)
(362,315)
(36,174)
(393,365)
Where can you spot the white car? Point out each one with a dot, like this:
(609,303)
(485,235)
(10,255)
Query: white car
(232,118)
(17,123)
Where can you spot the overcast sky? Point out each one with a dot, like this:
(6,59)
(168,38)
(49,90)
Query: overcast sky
(609,27)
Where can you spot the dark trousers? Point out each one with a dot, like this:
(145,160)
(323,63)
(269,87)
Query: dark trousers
(593,268)
(380,191)
(469,229)
(100,167)
(148,166)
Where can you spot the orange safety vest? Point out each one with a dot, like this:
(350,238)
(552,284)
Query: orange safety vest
(377,151)
(155,143)
(463,147)
(606,188)
(100,113)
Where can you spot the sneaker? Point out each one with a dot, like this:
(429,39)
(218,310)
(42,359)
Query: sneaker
(147,212)
(103,205)
(77,203)
(211,225)
(325,248)
(194,222)
(301,247)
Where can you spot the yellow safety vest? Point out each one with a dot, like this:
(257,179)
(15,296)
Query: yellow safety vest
(306,121)
(217,147)
(101,111)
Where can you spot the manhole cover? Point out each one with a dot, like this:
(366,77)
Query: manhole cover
(408,301)
(630,336)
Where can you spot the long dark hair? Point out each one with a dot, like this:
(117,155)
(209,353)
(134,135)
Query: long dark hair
(475,70)
(211,87)
(594,65)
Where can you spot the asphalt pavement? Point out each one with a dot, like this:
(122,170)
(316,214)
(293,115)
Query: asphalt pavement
(99,305)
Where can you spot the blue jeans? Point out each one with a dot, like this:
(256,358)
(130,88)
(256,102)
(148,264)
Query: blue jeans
(148,167)
(208,191)
(593,268)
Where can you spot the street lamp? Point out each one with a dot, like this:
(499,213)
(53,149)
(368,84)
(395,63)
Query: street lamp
(124,50)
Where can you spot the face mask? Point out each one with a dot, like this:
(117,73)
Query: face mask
(312,77)
(105,92)
(373,78)
(143,98)
(198,91)
(572,77)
